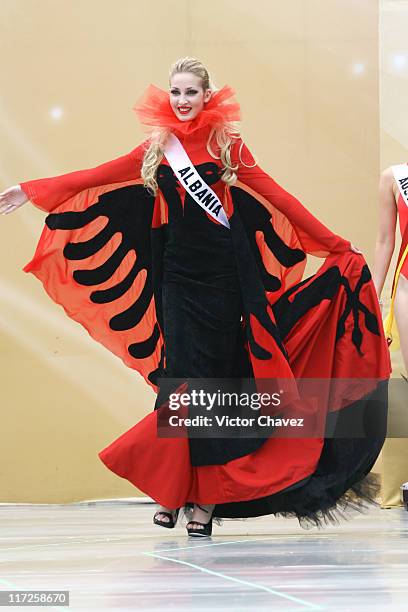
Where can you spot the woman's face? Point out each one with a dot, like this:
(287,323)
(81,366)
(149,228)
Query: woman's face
(187,97)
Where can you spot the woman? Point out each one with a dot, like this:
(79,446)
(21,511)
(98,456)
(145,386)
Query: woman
(195,265)
(394,203)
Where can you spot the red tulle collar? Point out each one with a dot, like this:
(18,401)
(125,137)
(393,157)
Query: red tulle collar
(153,109)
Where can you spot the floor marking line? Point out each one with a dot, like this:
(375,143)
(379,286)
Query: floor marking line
(62,542)
(244,582)
(212,544)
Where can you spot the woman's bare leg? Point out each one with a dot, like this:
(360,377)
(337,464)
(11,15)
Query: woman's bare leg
(401,316)
(201,513)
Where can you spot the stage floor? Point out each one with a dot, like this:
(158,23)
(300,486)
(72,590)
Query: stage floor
(109,555)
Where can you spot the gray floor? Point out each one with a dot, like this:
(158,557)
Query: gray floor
(111,556)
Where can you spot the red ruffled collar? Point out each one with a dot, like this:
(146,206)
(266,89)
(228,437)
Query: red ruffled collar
(153,109)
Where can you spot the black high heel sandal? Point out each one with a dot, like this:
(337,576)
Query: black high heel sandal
(168,524)
(206,527)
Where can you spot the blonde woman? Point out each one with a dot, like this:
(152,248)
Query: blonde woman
(185,259)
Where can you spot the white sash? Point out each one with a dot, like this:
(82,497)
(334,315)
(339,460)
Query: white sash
(195,186)
(400,173)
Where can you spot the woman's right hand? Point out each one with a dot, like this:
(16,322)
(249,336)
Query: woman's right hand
(11,199)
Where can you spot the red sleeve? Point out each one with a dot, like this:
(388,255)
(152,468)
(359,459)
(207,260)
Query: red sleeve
(48,193)
(315,237)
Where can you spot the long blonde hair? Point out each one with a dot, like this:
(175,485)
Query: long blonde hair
(224,135)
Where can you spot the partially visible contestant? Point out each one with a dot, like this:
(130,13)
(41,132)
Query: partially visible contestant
(394,204)
(186,260)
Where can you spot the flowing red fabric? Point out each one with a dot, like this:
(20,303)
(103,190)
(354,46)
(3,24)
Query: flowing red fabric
(154,110)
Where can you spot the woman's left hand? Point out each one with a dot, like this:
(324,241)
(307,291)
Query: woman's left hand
(355,249)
